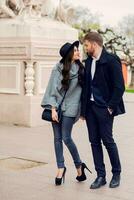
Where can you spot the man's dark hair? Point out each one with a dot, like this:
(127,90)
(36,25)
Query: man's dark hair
(94,37)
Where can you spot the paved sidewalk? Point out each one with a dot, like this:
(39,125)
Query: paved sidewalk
(37,183)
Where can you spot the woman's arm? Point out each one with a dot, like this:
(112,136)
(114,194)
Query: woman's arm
(49,98)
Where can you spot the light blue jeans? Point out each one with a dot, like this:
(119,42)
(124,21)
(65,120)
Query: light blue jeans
(62,133)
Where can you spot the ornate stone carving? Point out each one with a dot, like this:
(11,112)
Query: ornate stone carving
(10,8)
(33,9)
(55,9)
(49,8)
(64,14)
(29,78)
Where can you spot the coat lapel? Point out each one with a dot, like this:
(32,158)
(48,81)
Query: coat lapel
(88,66)
(99,63)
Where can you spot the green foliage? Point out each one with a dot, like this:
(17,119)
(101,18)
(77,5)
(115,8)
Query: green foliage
(129,90)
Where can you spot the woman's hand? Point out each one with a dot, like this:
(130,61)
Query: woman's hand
(54,115)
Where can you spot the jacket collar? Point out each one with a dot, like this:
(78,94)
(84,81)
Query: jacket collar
(103,57)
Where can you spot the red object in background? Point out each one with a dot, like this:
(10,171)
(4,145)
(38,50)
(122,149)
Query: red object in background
(124,70)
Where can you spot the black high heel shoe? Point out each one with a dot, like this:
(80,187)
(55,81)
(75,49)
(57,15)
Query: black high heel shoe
(58,181)
(83,175)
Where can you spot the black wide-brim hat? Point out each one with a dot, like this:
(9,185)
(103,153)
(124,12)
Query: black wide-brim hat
(66,48)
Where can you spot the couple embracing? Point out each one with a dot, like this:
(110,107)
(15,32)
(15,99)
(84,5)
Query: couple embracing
(93,93)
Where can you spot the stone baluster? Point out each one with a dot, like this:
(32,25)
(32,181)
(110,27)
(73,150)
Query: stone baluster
(29,78)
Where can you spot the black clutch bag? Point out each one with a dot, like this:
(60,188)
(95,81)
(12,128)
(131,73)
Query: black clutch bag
(47,113)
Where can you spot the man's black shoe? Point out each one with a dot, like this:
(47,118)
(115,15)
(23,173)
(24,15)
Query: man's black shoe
(115,181)
(99,181)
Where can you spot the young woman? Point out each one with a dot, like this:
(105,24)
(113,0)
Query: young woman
(66,77)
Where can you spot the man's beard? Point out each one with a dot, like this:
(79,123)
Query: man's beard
(91,52)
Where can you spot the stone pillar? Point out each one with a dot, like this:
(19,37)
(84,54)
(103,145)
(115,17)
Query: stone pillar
(28,52)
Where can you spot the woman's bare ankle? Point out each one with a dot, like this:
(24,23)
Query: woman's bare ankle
(79,172)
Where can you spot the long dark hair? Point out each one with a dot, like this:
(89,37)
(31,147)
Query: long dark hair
(66,69)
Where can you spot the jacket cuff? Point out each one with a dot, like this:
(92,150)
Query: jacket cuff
(49,105)
(82,114)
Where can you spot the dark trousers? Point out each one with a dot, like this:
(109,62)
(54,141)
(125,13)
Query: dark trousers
(100,123)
